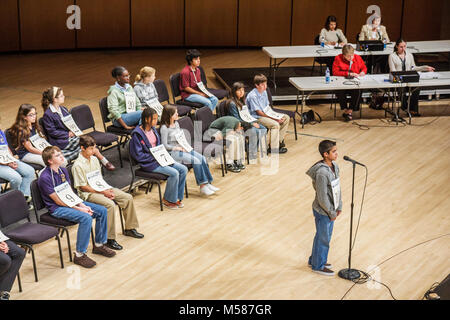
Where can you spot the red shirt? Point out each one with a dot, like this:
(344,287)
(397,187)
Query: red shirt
(341,66)
(187,79)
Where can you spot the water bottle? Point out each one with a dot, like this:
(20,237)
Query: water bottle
(322,42)
(384,43)
(327,76)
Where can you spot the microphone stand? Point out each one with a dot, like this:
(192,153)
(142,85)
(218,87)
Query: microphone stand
(349,273)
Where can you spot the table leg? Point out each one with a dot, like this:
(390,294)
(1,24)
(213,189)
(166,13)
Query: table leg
(303,104)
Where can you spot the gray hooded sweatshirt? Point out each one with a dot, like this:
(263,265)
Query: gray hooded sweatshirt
(145,92)
(322,177)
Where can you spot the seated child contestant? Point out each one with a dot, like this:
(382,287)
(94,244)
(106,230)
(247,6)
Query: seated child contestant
(91,187)
(230,128)
(170,136)
(63,203)
(144,140)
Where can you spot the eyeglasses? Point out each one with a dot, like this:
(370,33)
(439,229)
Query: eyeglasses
(32,114)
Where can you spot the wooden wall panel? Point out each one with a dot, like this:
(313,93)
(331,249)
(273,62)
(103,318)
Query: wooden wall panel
(211,23)
(43,25)
(308,18)
(391,16)
(422,20)
(104,24)
(9,26)
(157,23)
(264,23)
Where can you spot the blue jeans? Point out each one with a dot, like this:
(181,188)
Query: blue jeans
(130,119)
(255,136)
(176,181)
(84,221)
(210,102)
(201,169)
(20,178)
(321,244)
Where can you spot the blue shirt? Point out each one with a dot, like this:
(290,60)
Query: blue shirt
(3,138)
(257,101)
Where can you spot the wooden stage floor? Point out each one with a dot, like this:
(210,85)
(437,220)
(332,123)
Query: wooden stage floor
(252,240)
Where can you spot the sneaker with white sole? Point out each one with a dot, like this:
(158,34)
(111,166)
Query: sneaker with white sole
(325,272)
(170,205)
(327,265)
(210,186)
(206,191)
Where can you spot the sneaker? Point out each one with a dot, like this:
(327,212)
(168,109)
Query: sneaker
(347,117)
(206,191)
(239,164)
(83,261)
(104,251)
(4,295)
(233,168)
(170,205)
(180,204)
(327,265)
(325,272)
(210,186)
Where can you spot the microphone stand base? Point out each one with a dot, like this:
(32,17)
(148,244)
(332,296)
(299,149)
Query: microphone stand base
(349,274)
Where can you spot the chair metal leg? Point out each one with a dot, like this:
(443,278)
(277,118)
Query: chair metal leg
(60,251)
(69,247)
(19,282)
(160,197)
(295,128)
(92,236)
(186,190)
(120,155)
(121,220)
(34,263)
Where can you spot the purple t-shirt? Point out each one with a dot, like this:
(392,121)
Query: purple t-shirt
(47,185)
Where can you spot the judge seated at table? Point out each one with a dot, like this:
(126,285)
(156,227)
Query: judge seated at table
(333,36)
(402,60)
(349,64)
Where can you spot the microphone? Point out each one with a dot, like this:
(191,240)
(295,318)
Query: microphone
(379,34)
(346,158)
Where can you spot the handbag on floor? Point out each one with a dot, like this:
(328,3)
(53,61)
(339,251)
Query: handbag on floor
(376,101)
(310,117)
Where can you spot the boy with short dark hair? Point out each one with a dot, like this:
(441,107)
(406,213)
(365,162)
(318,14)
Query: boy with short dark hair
(54,185)
(327,205)
(191,86)
(86,169)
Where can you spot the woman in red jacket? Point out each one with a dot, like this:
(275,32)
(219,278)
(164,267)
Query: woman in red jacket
(349,64)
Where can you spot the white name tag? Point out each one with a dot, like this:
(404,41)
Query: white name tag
(336,187)
(96,181)
(203,89)
(5,155)
(130,101)
(268,110)
(155,105)
(181,139)
(245,115)
(3,237)
(71,125)
(39,142)
(162,156)
(66,194)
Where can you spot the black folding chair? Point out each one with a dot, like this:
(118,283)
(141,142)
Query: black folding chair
(163,97)
(13,209)
(82,116)
(124,134)
(219,93)
(174,85)
(205,117)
